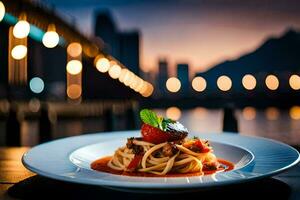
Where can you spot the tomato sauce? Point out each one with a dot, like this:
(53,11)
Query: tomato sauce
(101,165)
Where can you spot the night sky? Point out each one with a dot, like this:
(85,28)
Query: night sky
(200,32)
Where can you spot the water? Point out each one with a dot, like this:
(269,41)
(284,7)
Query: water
(271,122)
(282,125)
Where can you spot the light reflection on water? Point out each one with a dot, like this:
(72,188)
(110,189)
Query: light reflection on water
(200,119)
(283,125)
(271,122)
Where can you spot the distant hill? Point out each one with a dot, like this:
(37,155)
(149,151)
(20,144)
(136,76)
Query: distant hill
(280,56)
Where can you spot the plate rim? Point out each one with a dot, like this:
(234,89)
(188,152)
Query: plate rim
(133,185)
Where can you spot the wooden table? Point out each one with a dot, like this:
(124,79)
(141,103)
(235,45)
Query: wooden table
(16,182)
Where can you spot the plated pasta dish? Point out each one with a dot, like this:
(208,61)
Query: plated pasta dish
(163,149)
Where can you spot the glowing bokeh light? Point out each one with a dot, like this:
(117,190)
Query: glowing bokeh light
(74,49)
(139,85)
(50,39)
(4,106)
(123,75)
(224,83)
(19,52)
(249,113)
(74,67)
(102,64)
(128,78)
(74,91)
(34,105)
(295,112)
(199,84)
(115,71)
(173,84)
(2,11)
(294,82)
(144,88)
(272,82)
(36,85)
(91,51)
(173,113)
(21,29)
(134,82)
(249,82)
(148,90)
(272,113)
(200,113)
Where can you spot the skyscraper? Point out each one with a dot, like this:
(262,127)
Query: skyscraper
(124,46)
(129,50)
(162,76)
(106,29)
(183,76)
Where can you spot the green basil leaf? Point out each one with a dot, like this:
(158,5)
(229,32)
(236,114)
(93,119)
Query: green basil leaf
(149,117)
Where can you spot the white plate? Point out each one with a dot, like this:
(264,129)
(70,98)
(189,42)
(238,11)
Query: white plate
(69,159)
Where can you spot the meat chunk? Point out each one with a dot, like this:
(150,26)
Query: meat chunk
(129,143)
(169,149)
(136,149)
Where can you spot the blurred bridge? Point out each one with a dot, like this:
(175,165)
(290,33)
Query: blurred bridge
(50,70)
(37,38)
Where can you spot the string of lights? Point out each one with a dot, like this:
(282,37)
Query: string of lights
(224,83)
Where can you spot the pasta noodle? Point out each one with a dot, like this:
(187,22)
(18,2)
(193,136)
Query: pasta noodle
(163,150)
(183,158)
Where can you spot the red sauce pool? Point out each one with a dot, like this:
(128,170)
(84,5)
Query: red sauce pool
(101,165)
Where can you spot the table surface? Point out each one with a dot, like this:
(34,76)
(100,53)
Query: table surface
(16,182)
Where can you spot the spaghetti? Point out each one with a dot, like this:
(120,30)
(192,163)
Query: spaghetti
(162,149)
(160,159)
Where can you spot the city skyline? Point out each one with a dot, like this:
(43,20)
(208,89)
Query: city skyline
(221,30)
(274,54)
